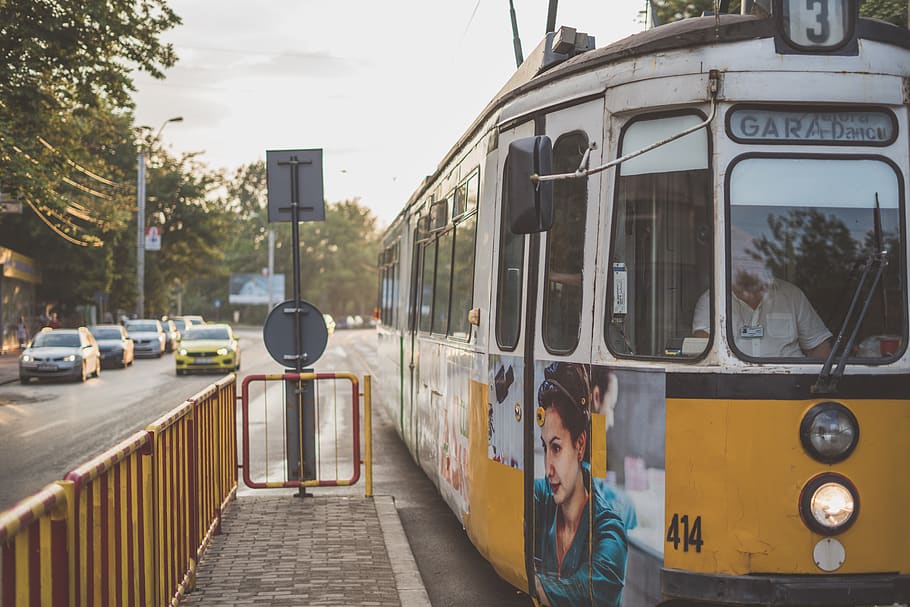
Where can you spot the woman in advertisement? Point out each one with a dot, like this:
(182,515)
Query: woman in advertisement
(580,540)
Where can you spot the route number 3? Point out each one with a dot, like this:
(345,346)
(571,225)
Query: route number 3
(816,23)
(680,532)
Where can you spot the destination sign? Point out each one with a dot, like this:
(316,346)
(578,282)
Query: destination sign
(863,127)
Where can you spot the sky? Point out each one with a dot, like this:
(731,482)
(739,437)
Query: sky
(385,89)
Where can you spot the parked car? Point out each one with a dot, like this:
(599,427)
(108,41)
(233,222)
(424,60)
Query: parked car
(148,336)
(329,323)
(209,347)
(171,334)
(66,353)
(116,347)
(191,319)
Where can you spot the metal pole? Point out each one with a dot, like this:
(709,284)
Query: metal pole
(271,265)
(516,41)
(140,237)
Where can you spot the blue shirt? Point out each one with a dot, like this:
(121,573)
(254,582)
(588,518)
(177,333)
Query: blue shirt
(586,578)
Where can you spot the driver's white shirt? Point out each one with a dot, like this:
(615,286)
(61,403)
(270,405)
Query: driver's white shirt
(787,323)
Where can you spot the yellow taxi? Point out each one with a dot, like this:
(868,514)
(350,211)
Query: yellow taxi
(209,347)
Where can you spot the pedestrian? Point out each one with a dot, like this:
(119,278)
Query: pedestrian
(22,333)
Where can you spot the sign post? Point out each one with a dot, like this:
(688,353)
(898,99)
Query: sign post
(295,194)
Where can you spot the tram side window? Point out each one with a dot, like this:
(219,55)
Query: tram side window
(443,282)
(428,270)
(388,286)
(660,259)
(565,249)
(801,231)
(510,278)
(463,264)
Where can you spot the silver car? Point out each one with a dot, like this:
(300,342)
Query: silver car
(115,345)
(60,353)
(149,338)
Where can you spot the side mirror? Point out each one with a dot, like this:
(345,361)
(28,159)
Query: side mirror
(530,203)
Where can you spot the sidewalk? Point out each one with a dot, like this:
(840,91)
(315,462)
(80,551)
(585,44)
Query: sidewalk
(327,550)
(323,550)
(9,367)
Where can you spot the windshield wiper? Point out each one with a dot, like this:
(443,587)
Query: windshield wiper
(827,380)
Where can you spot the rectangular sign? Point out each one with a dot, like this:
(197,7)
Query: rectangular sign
(295,176)
(254,289)
(862,127)
(153,238)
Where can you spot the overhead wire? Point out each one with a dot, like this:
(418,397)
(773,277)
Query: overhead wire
(78,167)
(60,232)
(78,211)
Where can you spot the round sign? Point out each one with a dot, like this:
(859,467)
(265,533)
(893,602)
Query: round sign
(278,333)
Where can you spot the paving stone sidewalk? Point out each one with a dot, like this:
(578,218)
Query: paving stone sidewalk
(323,550)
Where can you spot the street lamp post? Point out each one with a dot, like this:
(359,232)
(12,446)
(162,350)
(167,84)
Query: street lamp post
(140,222)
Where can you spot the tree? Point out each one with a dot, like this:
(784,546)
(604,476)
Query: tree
(338,272)
(64,61)
(195,227)
(894,11)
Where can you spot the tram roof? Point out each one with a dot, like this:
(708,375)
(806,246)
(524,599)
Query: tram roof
(692,32)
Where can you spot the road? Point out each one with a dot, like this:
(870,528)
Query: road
(47,429)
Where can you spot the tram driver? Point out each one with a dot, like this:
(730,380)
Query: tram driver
(770,317)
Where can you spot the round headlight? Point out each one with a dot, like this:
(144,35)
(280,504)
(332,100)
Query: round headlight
(829,432)
(221,351)
(829,504)
(182,351)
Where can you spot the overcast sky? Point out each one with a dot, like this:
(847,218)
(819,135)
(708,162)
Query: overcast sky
(384,88)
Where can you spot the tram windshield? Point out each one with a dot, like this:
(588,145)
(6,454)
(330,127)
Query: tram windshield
(800,231)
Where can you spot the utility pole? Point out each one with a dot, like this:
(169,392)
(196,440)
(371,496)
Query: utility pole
(140,236)
(140,220)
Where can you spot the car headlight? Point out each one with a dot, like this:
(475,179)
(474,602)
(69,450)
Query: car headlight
(829,503)
(222,351)
(829,432)
(71,358)
(26,358)
(182,351)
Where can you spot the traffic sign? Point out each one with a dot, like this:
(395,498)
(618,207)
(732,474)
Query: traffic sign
(294,177)
(153,238)
(278,333)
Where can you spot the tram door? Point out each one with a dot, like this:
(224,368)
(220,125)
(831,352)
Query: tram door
(543,323)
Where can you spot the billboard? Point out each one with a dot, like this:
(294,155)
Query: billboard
(254,289)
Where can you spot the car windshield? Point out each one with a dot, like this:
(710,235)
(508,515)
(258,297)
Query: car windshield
(108,333)
(181,324)
(207,333)
(140,327)
(52,340)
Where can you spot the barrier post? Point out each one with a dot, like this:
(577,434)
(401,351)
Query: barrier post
(368,434)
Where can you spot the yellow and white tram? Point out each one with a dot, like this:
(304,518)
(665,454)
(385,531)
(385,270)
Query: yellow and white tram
(646,325)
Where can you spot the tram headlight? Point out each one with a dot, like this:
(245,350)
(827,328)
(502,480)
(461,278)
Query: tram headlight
(829,504)
(829,432)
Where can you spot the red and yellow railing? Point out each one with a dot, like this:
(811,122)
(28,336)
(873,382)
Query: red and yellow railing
(330,435)
(127,528)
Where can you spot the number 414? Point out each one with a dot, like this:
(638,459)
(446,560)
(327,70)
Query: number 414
(690,536)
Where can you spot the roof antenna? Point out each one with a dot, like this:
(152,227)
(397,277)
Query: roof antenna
(516,41)
(551,16)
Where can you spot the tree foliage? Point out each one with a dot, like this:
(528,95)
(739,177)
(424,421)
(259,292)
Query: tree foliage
(66,137)
(894,11)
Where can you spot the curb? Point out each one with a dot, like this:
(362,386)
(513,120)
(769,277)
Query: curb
(411,591)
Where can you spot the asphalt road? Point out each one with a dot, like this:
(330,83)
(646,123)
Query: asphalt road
(49,428)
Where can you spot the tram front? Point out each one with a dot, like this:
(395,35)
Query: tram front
(787,441)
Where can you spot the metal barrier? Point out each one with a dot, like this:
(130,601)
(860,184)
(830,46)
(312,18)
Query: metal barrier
(127,528)
(328,422)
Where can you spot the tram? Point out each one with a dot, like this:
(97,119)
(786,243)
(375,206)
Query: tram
(646,325)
